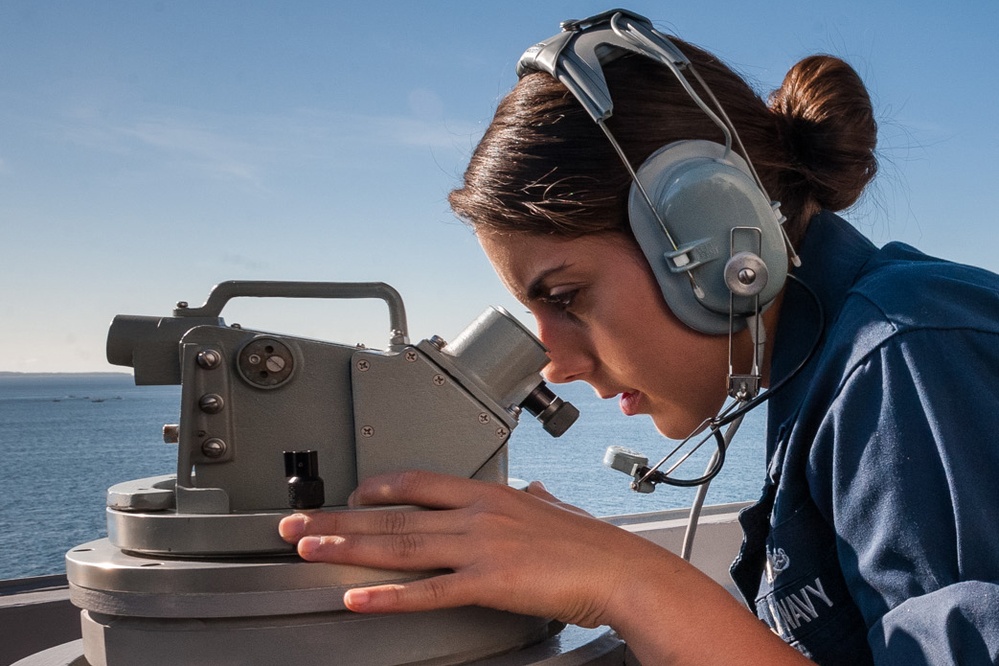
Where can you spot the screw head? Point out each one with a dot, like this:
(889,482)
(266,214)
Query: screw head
(213,448)
(363,365)
(209,359)
(211,403)
(411,356)
(483,418)
(502,432)
(747,276)
(367,431)
(438,380)
(275,363)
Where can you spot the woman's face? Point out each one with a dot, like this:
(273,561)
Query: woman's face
(601,315)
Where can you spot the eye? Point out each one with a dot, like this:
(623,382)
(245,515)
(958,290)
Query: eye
(559,299)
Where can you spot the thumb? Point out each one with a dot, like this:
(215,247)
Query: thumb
(538,489)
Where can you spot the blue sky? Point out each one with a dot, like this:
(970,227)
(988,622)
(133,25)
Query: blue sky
(149,150)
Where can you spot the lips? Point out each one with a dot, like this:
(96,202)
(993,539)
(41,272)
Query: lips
(629,402)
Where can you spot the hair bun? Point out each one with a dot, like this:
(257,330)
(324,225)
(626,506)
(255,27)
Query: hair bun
(827,124)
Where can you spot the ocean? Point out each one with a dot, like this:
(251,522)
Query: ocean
(65,438)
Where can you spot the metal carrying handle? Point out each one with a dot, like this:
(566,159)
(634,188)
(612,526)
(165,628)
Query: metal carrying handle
(223,292)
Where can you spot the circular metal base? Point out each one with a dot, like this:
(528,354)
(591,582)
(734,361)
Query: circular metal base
(574,646)
(155,611)
(105,579)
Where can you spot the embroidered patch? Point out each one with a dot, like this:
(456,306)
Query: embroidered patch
(777,561)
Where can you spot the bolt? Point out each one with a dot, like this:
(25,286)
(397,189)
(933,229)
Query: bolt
(438,380)
(211,403)
(747,276)
(411,356)
(363,365)
(438,341)
(275,363)
(181,305)
(483,418)
(367,431)
(171,433)
(209,359)
(254,359)
(213,448)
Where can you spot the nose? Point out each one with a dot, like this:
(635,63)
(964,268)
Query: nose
(569,350)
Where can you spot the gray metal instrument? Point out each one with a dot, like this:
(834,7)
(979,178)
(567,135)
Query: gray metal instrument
(193,570)
(256,407)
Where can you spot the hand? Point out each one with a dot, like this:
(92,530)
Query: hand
(524,552)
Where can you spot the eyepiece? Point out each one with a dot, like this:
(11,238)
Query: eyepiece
(555,414)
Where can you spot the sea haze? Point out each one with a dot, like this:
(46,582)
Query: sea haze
(66,438)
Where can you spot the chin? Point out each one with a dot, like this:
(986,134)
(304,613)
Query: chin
(671,427)
(676,426)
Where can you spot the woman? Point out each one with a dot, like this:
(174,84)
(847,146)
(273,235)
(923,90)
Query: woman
(873,541)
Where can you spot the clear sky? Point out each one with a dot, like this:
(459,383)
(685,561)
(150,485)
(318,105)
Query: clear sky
(149,150)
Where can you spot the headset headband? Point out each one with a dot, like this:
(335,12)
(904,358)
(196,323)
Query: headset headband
(578,67)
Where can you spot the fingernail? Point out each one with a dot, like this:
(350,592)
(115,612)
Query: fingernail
(308,545)
(292,527)
(356,599)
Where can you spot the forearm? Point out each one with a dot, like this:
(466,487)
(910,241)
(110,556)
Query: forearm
(669,612)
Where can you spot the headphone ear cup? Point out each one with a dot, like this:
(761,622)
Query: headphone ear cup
(713,210)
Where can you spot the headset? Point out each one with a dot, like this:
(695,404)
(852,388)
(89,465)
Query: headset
(712,235)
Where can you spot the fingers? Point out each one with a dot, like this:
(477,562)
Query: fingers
(402,552)
(398,520)
(435,490)
(493,546)
(444,591)
(403,539)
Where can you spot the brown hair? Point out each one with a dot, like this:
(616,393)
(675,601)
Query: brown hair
(543,165)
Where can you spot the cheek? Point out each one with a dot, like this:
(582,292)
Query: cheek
(705,372)
(690,382)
